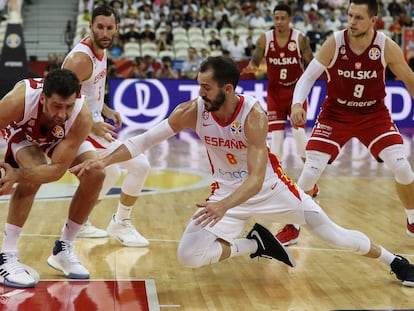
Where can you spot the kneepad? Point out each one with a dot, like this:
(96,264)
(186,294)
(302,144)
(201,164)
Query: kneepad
(313,168)
(395,159)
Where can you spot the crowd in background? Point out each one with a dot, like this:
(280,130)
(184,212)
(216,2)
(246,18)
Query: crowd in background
(227,28)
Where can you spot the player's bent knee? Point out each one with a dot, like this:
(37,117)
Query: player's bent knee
(186,257)
(395,159)
(138,165)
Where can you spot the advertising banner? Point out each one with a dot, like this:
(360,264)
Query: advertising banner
(143,103)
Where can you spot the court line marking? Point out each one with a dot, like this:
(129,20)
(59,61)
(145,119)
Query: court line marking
(12,293)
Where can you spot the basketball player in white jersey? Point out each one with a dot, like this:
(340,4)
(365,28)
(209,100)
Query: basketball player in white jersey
(41,119)
(88,60)
(248,180)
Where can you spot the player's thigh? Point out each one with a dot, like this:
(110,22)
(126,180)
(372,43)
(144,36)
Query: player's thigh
(27,154)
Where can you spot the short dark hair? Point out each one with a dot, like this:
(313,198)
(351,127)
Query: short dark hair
(283,7)
(372,6)
(62,82)
(225,70)
(104,10)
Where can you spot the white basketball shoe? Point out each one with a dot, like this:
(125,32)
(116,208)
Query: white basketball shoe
(90,231)
(125,232)
(64,259)
(13,273)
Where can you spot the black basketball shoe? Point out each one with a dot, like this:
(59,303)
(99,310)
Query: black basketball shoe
(403,270)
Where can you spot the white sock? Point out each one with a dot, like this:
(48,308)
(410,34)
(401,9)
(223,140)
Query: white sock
(11,237)
(386,256)
(410,215)
(243,246)
(123,212)
(70,231)
(296,226)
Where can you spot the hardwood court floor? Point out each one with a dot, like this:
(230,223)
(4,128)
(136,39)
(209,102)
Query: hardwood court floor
(356,193)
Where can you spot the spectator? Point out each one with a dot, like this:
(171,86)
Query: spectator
(208,21)
(380,23)
(149,66)
(214,43)
(147,19)
(169,34)
(190,66)
(204,10)
(316,36)
(394,8)
(137,69)
(192,19)
(225,42)
(166,71)
(162,22)
(309,5)
(204,53)
(85,5)
(162,44)
(147,35)
(238,17)
(332,23)
(130,18)
(176,21)
(219,11)
(257,21)
(188,6)
(131,34)
(224,22)
(236,48)
(395,29)
(250,46)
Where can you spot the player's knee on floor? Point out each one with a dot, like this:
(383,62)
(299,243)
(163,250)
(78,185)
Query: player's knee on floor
(395,159)
(313,168)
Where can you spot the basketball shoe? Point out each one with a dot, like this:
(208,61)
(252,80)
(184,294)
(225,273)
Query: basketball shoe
(13,273)
(288,235)
(410,229)
(269,246)
(90,231)
(125,232)
(65,260)
(403,270)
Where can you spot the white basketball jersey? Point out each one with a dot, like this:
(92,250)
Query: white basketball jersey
(93,88)
(226,146)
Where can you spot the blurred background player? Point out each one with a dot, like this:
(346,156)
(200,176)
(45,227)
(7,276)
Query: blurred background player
(287,51)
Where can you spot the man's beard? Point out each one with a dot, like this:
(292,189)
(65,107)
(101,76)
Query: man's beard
(216,103)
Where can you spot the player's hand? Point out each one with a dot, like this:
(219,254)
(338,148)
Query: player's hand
(8,180)
(86,165)
(104,130)
(113,115)
(250,68)
(297,116)
(210,214)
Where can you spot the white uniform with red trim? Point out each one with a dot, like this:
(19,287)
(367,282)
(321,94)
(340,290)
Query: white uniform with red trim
(279,199)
